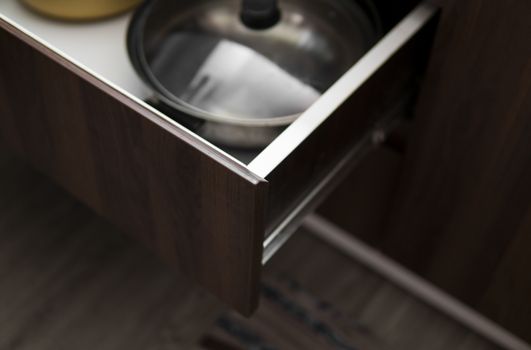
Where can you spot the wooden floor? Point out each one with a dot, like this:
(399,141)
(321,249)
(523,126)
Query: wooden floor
(69,280)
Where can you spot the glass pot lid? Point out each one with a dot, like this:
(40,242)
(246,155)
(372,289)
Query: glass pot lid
(204,58)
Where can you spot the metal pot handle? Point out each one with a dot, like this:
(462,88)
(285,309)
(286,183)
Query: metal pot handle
(260,14)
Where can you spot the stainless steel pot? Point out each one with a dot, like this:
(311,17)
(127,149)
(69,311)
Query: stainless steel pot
(245,78)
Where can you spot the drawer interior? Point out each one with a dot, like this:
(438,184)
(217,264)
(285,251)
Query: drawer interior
(351,119)
(100,49)
(310,155)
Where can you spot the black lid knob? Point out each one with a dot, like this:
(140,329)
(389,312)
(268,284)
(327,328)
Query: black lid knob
(260,14)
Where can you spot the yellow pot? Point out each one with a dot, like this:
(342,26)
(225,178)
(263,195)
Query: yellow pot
(80,9)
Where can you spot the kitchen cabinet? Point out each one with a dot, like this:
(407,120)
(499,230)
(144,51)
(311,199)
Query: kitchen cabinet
(66,107)
(451,198)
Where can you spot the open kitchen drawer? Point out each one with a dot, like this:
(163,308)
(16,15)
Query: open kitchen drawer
(71,104)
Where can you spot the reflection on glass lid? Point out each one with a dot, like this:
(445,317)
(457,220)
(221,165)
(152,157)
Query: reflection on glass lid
(204,58)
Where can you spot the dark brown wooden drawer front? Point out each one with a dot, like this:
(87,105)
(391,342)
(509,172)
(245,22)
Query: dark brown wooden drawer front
(208,214)
(193,207)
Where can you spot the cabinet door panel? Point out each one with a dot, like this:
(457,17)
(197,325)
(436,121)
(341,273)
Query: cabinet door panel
(466,189)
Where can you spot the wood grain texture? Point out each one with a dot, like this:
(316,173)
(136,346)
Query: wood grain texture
(69,280)
(198,210)
(465,193)
(506,299)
